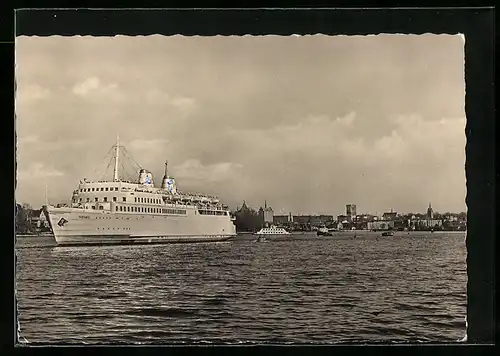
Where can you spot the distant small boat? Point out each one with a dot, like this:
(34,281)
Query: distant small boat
(323,231)
(261,238)
(388,233)
(273,230)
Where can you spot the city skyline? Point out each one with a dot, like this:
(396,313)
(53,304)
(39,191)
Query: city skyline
(343,213)
(310,123)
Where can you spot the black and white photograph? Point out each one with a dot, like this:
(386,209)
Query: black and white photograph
(304,189)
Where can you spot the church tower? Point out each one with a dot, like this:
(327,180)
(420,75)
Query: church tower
(430,212)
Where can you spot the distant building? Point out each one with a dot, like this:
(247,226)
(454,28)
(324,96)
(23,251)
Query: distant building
(430,212)
(244,208)
(342,218)
(434,223)
(389,216)
(266,215)
(418,224)
(350,211)
(38,220)
(380,225)
(320,220)
(281,220)
(301,219)
(365,217)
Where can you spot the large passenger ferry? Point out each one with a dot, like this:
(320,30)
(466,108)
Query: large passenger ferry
(123,212)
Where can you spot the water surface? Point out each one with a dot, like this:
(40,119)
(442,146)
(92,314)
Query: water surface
(301,289)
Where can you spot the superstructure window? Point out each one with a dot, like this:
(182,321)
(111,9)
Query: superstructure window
(88,199)
(96,200)
(105,199)
(114,198)
(116,189)
(128,209)
(124,199)
(102,189)
(116,208)
(93,189)
(106,189)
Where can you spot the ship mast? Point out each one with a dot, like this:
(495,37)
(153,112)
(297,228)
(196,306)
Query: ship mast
(116,158)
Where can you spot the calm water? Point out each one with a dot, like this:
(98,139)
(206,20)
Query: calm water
(305,290)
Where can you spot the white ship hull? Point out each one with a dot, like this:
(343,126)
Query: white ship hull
(75,226)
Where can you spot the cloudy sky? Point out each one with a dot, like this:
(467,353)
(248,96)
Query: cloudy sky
(309,123)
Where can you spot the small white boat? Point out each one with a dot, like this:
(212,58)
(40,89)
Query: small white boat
(273,230)
(323,231)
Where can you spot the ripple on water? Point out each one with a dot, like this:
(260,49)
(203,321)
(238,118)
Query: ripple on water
(307,290)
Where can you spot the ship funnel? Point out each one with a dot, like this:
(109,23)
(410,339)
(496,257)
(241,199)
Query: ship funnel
(145,177)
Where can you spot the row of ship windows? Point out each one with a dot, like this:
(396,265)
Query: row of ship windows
(105,200)
(147,200)
(140,209)
(123,228)
(124,199)
(111,189)
(212,212)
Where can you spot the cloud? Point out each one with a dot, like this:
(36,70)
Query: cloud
(314,134)
(33,143)
(32,92)
(193,169)
(26,140)
(149,145)
(334,112)
(92,84)
(39,170)
(182,103)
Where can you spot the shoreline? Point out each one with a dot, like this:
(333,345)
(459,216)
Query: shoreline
(334,233)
